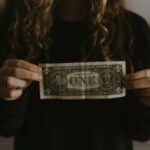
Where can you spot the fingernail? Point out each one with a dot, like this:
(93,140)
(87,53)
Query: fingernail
(38,77)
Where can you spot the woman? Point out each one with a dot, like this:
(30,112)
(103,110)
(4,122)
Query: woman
(50,31)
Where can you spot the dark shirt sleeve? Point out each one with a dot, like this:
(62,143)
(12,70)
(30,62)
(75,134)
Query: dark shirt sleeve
(137,119)
(12,114)
(137,115)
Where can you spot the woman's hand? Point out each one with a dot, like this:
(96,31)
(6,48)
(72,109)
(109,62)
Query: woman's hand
(140,81)
(15,76)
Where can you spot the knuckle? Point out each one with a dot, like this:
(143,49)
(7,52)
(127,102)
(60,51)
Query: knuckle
(18,63)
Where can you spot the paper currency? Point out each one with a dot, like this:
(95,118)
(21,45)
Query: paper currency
(83,81)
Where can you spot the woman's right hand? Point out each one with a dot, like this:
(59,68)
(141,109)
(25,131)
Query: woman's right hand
(15,76)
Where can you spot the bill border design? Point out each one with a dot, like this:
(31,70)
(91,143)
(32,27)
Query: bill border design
(43,97)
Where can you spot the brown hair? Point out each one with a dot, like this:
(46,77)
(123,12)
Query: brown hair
(31,27)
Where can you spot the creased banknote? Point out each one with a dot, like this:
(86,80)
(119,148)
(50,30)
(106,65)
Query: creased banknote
(83,81)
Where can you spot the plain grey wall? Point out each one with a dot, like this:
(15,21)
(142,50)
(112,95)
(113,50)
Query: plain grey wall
(141,7)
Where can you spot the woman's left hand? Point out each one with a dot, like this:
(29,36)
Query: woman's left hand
(140,81)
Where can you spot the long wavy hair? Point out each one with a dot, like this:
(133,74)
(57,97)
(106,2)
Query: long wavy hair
(33,20)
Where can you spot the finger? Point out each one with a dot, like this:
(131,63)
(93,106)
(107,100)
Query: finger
(138,84)
(138,75)
(12,94)
(22,64)
(12,82)
(21,74)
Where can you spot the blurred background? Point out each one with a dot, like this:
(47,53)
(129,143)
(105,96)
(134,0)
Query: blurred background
(139,6)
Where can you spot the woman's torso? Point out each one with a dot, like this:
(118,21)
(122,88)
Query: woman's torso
(57,124)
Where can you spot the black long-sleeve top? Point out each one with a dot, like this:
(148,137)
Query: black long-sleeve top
(71,125)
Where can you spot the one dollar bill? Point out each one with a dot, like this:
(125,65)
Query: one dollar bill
(83,80)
